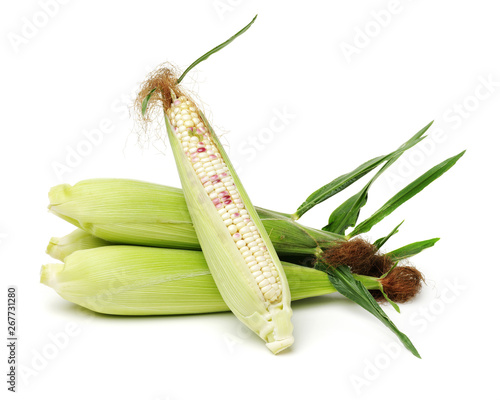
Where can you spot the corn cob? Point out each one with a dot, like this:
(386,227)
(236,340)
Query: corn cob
(237,249)
(126,211)
(134,280)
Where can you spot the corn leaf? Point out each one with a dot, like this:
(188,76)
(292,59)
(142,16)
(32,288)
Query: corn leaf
(346,215)
(337,185)
(144,105)
(411,249)
(145,102)
(216,49)
(343,181)
(345,283)
(394,305)
(380,242)
(405,194)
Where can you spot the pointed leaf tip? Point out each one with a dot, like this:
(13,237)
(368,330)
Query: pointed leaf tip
(380,242)
(346,215)
(405,194)
(345,283)
(216,49)
(411,249)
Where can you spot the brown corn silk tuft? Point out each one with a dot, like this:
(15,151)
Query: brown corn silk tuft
(159,86)
(162,80)
(360,255)
(400,285)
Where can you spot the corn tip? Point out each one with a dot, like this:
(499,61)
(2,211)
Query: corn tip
(48,274)
(279,345)
(58,194)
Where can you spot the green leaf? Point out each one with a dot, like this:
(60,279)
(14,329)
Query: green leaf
(394,305)
(146,101)
(337,185)
(345,283)
(346,215)
(343,181)
(380,242)
(411,249)
(215,49)
(381,287)
(144,105)
(405,194)
(390,270)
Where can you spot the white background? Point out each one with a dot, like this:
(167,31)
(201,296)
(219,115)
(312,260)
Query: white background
(352,95)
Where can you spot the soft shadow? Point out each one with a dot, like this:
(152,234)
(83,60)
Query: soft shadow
(333,299)
(69,308)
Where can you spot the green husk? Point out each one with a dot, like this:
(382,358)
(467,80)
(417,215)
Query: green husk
(134,280)
(61,247)
(126,211)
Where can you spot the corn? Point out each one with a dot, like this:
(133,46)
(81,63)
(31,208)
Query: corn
(126,211)
(59,248)
(134,280)
(237,249)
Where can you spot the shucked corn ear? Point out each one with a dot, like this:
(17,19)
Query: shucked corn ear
(235,244)
(127,211)
(135,280)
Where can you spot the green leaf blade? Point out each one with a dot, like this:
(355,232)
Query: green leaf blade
(405,194)
(411,249)
(343,181)
(394,305)
(337,185)
(346,215)
(145,102)
(216,49)
(380,242)
(345,283)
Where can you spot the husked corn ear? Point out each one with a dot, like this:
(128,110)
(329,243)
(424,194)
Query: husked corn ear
(238,251)
(221,188)
(127,211)
(134,280)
